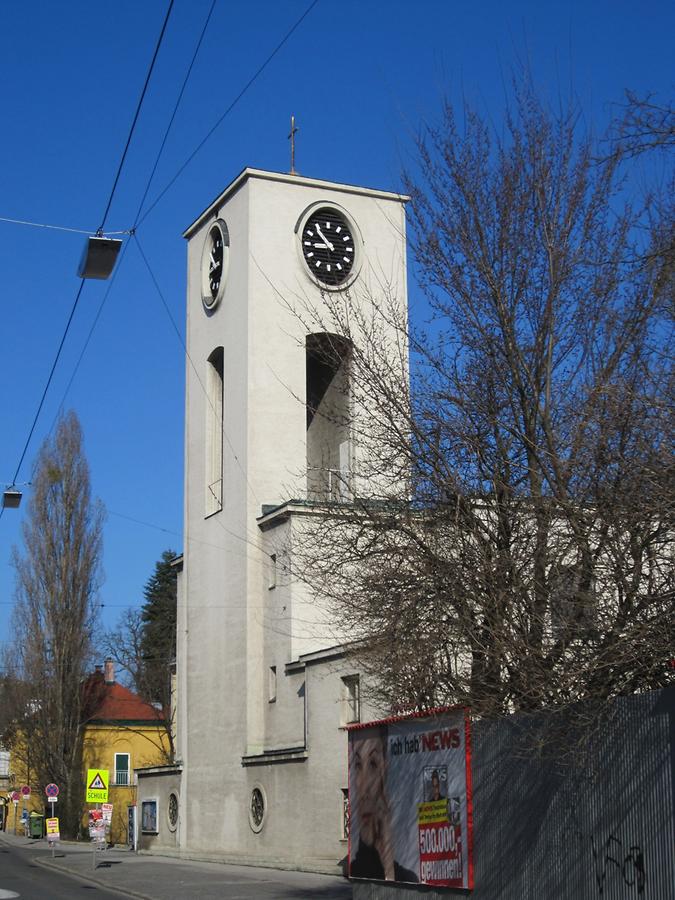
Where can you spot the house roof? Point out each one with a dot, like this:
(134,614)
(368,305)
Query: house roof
(112,702)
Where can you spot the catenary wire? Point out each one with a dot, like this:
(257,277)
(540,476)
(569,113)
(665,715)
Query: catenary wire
(46,388)
(236,100)
(82,282)
(130,231)
(173,114)
(88,338)
(136,115)
(54,227)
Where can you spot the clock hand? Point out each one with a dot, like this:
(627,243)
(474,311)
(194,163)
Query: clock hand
(324,238)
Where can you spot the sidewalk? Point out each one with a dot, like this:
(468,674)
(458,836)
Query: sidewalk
(167,878)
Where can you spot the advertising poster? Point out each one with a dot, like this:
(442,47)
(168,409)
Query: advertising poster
(96,825)
(53,830)
(410,800)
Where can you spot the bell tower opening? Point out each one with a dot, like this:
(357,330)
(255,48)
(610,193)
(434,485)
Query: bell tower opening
(329,449)
(214,432)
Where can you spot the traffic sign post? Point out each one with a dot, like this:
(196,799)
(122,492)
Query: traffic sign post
(52,792)
(25,793)
(16,796)
(97,792)
(53,833)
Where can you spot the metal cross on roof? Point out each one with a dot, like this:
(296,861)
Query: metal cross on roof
(291,137)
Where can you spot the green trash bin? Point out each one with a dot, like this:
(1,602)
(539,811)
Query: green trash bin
(36,825)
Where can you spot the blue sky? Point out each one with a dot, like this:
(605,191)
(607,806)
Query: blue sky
(361,78)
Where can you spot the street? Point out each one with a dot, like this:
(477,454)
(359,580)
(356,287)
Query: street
(21,877)
(28,871)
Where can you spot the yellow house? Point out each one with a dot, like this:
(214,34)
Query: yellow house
(122,733)
(15,775)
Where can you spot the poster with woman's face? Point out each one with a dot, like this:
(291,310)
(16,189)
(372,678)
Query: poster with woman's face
(410,800)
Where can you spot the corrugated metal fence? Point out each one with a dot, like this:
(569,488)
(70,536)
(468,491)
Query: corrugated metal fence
(600,826)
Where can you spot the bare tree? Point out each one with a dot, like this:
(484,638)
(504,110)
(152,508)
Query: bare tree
(57,579)
(643,126)
(517,552)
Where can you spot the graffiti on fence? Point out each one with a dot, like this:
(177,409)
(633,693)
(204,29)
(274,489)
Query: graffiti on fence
(612,857)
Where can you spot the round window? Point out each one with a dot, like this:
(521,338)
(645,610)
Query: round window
(257,809)
(172,812)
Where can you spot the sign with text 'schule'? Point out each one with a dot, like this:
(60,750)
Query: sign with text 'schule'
(97,786)
(410,806)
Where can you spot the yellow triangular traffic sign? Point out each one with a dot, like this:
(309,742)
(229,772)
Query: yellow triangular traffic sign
(97,783)
(97,786)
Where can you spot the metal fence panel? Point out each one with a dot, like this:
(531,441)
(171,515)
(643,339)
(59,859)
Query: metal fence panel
(598,826)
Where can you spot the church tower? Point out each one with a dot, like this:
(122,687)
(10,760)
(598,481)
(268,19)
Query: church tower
(269,432)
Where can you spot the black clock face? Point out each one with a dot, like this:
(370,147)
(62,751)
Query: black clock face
(328,246)
(214,263)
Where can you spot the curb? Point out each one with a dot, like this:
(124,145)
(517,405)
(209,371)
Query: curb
(91,879)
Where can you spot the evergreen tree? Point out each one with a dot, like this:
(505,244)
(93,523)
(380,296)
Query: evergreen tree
(158,631)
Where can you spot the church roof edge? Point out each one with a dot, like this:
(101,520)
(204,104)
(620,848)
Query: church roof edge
(248,172)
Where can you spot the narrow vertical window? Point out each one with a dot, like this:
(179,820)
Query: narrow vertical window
(272,583)
(351,700)
(214,432)
(272,684)
(122,769)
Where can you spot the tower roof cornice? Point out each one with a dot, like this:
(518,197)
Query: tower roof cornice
(296,180)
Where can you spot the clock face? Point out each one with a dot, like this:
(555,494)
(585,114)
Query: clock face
(214,263)
(328,246)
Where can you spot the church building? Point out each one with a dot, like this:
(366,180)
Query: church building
(264,683)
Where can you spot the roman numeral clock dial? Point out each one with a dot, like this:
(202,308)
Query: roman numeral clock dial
(328,246)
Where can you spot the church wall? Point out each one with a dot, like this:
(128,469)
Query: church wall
(214,574)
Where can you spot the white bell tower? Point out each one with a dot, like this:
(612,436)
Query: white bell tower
(269,431)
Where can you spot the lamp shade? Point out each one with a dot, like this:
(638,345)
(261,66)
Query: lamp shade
(11,498)
(98,258)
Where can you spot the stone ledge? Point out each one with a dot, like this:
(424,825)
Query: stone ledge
(295,754)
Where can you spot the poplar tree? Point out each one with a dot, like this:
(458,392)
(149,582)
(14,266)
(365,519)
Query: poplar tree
(57,577)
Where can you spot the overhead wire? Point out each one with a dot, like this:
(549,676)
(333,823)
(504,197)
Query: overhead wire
(46,388)
(136,115)
(138,221)
(82,282)
(229,109)
(54,227)
(173,114)
(88,338)
(145,194)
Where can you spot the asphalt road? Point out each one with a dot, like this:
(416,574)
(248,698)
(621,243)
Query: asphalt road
(21,877)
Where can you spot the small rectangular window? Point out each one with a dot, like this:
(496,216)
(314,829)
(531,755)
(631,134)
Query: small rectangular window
(351,699)
(272,684)
(122,768)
